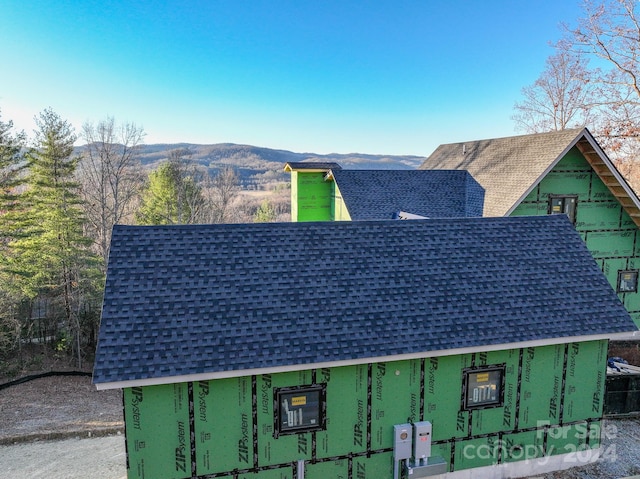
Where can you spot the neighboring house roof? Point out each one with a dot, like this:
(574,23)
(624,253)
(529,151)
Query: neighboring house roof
(195,302)
(403,215)
(314,166)
(509,168)
(381,194)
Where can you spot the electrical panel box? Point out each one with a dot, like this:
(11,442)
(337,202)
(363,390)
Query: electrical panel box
(402,441)
(422,443)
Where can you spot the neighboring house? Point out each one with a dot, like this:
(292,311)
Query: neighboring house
(310,350)
(313,195)
(326,192)
(559,172)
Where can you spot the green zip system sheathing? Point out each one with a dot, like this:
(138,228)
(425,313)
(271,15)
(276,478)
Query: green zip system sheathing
(442,401)
(345,411)
(334,469)
(542,370)
(338,208)
(395,398)
(311,197)
(158,431)
(552,404)
(608,231)
(230,447)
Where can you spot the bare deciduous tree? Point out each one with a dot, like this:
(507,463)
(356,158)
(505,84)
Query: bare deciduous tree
(110,176)
(560,98)
(604,97)
(609,33)
(223,191)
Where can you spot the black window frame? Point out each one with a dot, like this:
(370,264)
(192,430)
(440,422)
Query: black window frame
(279,394)
(573,215)
(469,373)
(622,272)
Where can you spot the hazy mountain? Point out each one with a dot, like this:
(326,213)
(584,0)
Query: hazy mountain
(257,165)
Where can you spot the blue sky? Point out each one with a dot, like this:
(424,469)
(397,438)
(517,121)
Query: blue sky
(388,77)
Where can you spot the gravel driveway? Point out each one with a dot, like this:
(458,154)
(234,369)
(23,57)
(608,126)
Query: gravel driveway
(95,458)
(42,421)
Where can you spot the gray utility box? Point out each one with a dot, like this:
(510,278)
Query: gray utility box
(403,440)
(422,442)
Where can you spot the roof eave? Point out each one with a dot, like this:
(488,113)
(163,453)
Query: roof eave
(418,355)
(312,168)
(610,175)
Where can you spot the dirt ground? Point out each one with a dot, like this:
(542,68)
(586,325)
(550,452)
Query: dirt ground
(62,428)
(58,407)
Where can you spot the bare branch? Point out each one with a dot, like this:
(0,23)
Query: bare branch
(560,98)
(110,176)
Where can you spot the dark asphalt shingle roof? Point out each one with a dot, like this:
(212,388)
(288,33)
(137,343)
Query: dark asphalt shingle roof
(379,194)
(205,299)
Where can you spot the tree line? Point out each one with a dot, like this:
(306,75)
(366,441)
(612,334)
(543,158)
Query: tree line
(58,205)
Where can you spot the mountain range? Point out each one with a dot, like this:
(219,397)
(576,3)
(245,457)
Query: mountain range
(257,166)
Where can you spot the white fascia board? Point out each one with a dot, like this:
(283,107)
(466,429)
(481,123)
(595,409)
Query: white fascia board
(616,174)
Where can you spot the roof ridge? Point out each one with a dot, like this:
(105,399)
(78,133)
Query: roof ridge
(566,132)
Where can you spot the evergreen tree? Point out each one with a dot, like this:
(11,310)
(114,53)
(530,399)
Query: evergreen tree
(52,257)
(172,196)
(265,213)
(11,164)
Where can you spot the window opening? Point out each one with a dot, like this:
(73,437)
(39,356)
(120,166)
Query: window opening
(483,387)
(563,204)
(299,409)
(627,281)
